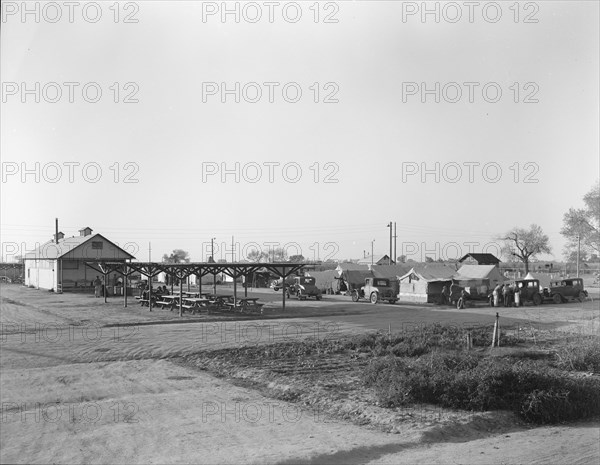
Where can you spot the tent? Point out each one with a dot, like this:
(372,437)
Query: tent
(478,280)
(424,283)
(325,280)
(352,279)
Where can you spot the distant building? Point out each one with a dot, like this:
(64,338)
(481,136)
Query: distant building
(59,264)
(375,260)
(479,259)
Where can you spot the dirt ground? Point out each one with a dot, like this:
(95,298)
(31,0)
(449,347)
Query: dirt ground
(83,381)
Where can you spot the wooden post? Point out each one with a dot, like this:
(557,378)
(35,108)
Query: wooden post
(180,297)
(125,276)
(234,288)
(245,285)
(188,283)
(199,278)
(283,291)
(150,290)
(496,335)
(105,285)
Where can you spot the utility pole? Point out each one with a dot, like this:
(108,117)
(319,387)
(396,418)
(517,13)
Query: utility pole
(395,242)
(212,257)
(372,251)
(390,255)
(578,252)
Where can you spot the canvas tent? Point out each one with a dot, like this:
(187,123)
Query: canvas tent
(391,272)
(325,280)
(479,279)
(424,283)
(352,279)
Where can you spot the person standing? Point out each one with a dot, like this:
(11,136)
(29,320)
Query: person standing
(445,295)
(97,286)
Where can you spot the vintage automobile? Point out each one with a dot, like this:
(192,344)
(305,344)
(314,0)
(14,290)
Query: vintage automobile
(278,283)
(565,289)
(304,287)
(529,291)
(375,289)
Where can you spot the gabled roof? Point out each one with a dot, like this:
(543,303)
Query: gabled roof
(351,267)
(482,258)
(52,251)
(476,272)
(390,271)
(431,272)
(376,258)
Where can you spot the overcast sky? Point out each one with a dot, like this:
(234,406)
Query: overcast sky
(361,140)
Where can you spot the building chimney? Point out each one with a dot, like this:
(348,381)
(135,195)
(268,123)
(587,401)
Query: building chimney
(58,236)
(56,230)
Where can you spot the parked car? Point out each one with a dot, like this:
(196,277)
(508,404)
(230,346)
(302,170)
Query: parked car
(530,291)
(278,283)
(375,289)
(304,287)
(565,289)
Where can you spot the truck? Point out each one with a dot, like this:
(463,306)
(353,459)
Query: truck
(303,287)
(375,289)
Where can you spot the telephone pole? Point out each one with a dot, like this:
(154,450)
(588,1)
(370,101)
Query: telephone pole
(390,255)
(395,242)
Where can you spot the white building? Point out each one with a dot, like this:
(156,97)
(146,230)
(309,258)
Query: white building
(60,264)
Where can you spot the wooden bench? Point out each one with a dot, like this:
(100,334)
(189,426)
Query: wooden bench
(165,304)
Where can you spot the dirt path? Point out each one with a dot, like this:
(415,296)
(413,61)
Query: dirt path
(74,391)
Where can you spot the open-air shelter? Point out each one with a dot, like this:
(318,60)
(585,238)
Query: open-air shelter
(181,271)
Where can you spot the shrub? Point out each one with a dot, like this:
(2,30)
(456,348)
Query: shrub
(582,355)
(465,380)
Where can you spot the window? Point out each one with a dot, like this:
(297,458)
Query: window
(97,245)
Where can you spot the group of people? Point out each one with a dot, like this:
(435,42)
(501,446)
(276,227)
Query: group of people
(452,294)
(503,294)
(160,290)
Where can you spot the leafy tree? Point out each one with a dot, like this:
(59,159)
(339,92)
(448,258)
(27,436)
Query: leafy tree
(428,259)
(178,256)
(525,244)
(584,223)
(401,259)
(278,255)
(257,256)
(296,258)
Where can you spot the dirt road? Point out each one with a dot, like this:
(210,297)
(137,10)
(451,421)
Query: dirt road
(75,391)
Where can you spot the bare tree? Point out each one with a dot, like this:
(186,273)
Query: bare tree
(583,225)
(525,244)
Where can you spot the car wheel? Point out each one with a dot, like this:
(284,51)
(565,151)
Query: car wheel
(557,299)
(355,296)
(318,297)
(392,301)
(374,297)
(582,296)
(537,299)
(275,289)
(299,295)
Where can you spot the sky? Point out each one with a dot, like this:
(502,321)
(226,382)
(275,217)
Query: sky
(307,125)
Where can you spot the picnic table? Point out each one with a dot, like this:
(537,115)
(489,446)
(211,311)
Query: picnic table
(246,304)
(194,304)
(169,301)
(191,293)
